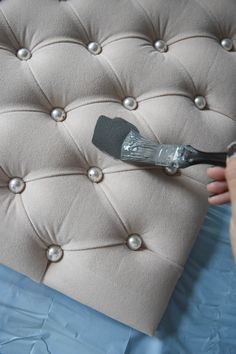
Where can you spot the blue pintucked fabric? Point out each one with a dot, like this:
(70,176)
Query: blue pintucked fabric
(200,318)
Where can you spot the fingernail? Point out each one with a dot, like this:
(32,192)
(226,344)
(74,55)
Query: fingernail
(231,150)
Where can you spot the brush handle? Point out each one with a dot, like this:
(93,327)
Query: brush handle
(211,158)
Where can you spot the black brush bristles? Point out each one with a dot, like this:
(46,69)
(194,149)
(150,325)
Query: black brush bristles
(109,134)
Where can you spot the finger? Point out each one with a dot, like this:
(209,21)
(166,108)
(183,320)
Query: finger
(219,198)
(230,174)
(217,187)
(216,173)
(233,237)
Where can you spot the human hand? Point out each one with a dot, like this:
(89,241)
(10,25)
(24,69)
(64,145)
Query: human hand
(224,189)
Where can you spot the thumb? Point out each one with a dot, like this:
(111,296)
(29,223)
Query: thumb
(230,175)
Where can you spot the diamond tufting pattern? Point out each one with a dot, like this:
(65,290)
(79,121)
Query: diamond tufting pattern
(112,235)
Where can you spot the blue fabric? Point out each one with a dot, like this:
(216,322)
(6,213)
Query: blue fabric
(201,316)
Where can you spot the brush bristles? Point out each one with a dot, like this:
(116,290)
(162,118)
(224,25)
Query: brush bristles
(137,148)
(109,134)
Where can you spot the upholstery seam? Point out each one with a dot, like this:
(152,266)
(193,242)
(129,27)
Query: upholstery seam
(122,91)
(148,18)
(214,61)
(84,174)
(166,259)
(52,176)
(42,275)
(210,15)
(115,210)
(9,27)
(149,127)
(21,110)
(194,180)
(128,36)
(96,247)
(94,102)
(133,169)
(164,95)
(28,64)
(78,42)
(68,211)
(169,42)
(192,37)
(4,172)
(158,254)
(71,41)
(185,71)
(6,50)
(106,42)
(31,223)
(37,83)
(79,19)
(223,114)
(76,144)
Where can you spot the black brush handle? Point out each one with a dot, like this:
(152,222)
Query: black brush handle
(211,158)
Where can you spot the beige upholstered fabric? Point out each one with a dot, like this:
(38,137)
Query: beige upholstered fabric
(83,58)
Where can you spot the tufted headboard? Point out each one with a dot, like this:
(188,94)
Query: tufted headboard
(113,235)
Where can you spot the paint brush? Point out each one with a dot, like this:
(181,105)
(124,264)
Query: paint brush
(122,140)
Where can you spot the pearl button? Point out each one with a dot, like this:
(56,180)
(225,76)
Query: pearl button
(95,174)
(23,54)
(130,103)
(134,242)
(54,253)
(58,114)
(200,102)
(171,171)
(161,46)
(227,44)
(94,48)
(16,185)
